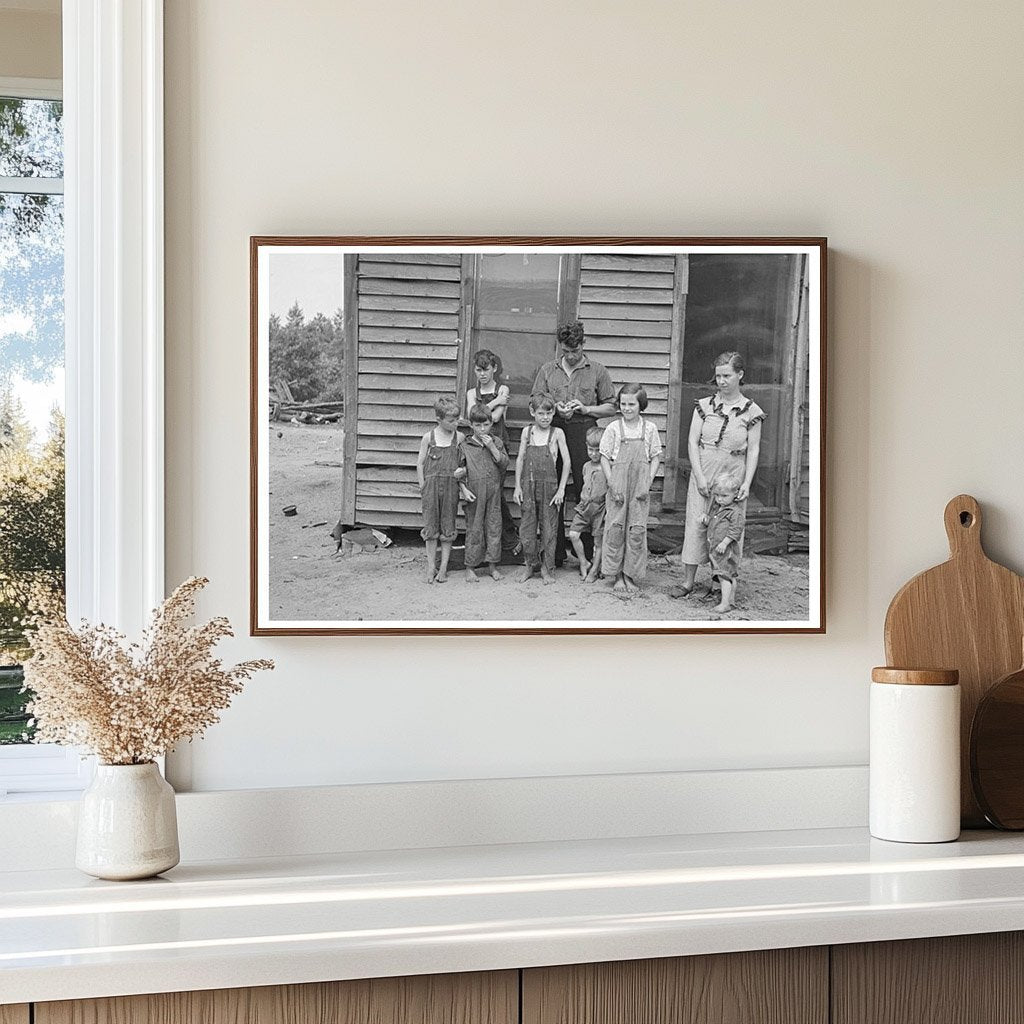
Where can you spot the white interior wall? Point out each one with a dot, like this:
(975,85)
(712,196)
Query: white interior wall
(894,129)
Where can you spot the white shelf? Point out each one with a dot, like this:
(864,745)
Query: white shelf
(386,913)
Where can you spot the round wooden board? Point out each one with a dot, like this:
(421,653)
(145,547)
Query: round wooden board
(997,752)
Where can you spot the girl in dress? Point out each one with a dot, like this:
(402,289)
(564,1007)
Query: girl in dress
(725,437)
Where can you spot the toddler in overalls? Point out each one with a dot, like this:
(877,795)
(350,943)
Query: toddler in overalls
(725,519)
(588,515)
(485,459)
(630,457)
(539,490)
(438,470)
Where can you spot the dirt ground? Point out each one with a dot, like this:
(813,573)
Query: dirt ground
(310,581)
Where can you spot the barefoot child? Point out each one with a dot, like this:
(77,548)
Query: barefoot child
(486,460)
(437,468)
(588,515)
(493,395)
(630,457)
(539,490)
(725,519)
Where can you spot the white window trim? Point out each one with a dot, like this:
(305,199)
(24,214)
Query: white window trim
(32,88)
(113,168)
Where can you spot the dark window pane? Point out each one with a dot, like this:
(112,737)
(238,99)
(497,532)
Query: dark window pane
(518,291)
(31,138)
(738,303)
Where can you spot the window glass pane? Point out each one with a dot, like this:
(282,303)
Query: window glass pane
(738,303)
(31,138)
(31,430)
(518,291)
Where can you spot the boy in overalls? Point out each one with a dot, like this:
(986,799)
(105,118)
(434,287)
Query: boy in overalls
(438,471)
(588,515)
(539,490)
(486,459)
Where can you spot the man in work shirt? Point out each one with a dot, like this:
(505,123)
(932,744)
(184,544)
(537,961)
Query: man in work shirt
(582,391)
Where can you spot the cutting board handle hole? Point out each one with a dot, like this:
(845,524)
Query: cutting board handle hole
(966,519)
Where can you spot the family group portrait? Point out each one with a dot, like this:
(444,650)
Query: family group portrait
(536,435)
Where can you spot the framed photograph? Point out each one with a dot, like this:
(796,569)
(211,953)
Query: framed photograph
(537,435)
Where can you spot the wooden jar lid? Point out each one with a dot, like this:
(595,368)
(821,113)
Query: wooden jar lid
(916,676)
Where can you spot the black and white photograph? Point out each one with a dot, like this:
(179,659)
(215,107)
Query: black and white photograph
(537,435)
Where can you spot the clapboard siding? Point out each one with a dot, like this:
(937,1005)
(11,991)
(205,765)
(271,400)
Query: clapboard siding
(410,303)
(626,307)
(408,318)
(427,289)
(408,348)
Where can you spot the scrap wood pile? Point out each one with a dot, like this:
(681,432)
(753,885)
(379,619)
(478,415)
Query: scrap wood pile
(283,406)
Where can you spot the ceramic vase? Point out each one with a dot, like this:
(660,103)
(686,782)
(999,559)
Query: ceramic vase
(127,825)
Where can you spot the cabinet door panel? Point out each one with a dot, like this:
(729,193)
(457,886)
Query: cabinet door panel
(481,998)
(959,979)
(778,986)
(14,1014)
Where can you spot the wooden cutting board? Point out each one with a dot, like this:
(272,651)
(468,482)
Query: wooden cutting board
(967,614)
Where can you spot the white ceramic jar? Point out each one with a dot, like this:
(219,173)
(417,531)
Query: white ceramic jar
(915,755)
(127,823)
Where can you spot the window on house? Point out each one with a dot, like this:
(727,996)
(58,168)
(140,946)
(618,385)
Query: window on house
(31,396)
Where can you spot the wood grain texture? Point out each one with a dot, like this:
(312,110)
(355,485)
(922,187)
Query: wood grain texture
(350,363)
(915,676)
(14,1014)
(967,614)
(780,986)
(677,422)
(961,979)
(482,998)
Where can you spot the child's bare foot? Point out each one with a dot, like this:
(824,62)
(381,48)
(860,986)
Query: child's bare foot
(442,576)
(431,575)
(591,576)
(723,607)
(547,576)
(528,572)
(584,568)
(471,577)
(619,586)
(495,574)
(631,587)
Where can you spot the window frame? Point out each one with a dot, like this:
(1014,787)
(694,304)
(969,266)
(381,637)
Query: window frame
(112,89)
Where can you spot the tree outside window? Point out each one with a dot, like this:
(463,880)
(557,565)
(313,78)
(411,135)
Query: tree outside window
(32,543)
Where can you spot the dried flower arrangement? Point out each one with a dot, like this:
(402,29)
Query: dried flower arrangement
(130,703)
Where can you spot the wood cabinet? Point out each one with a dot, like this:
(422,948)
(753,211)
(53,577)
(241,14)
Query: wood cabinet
(775,986)
(967,979)
(960,979)
(480,998)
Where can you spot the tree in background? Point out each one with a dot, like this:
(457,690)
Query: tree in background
(308,355)
(31,350)
(32,549)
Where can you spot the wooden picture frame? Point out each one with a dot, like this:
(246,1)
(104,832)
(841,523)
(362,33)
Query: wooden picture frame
(353,339)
